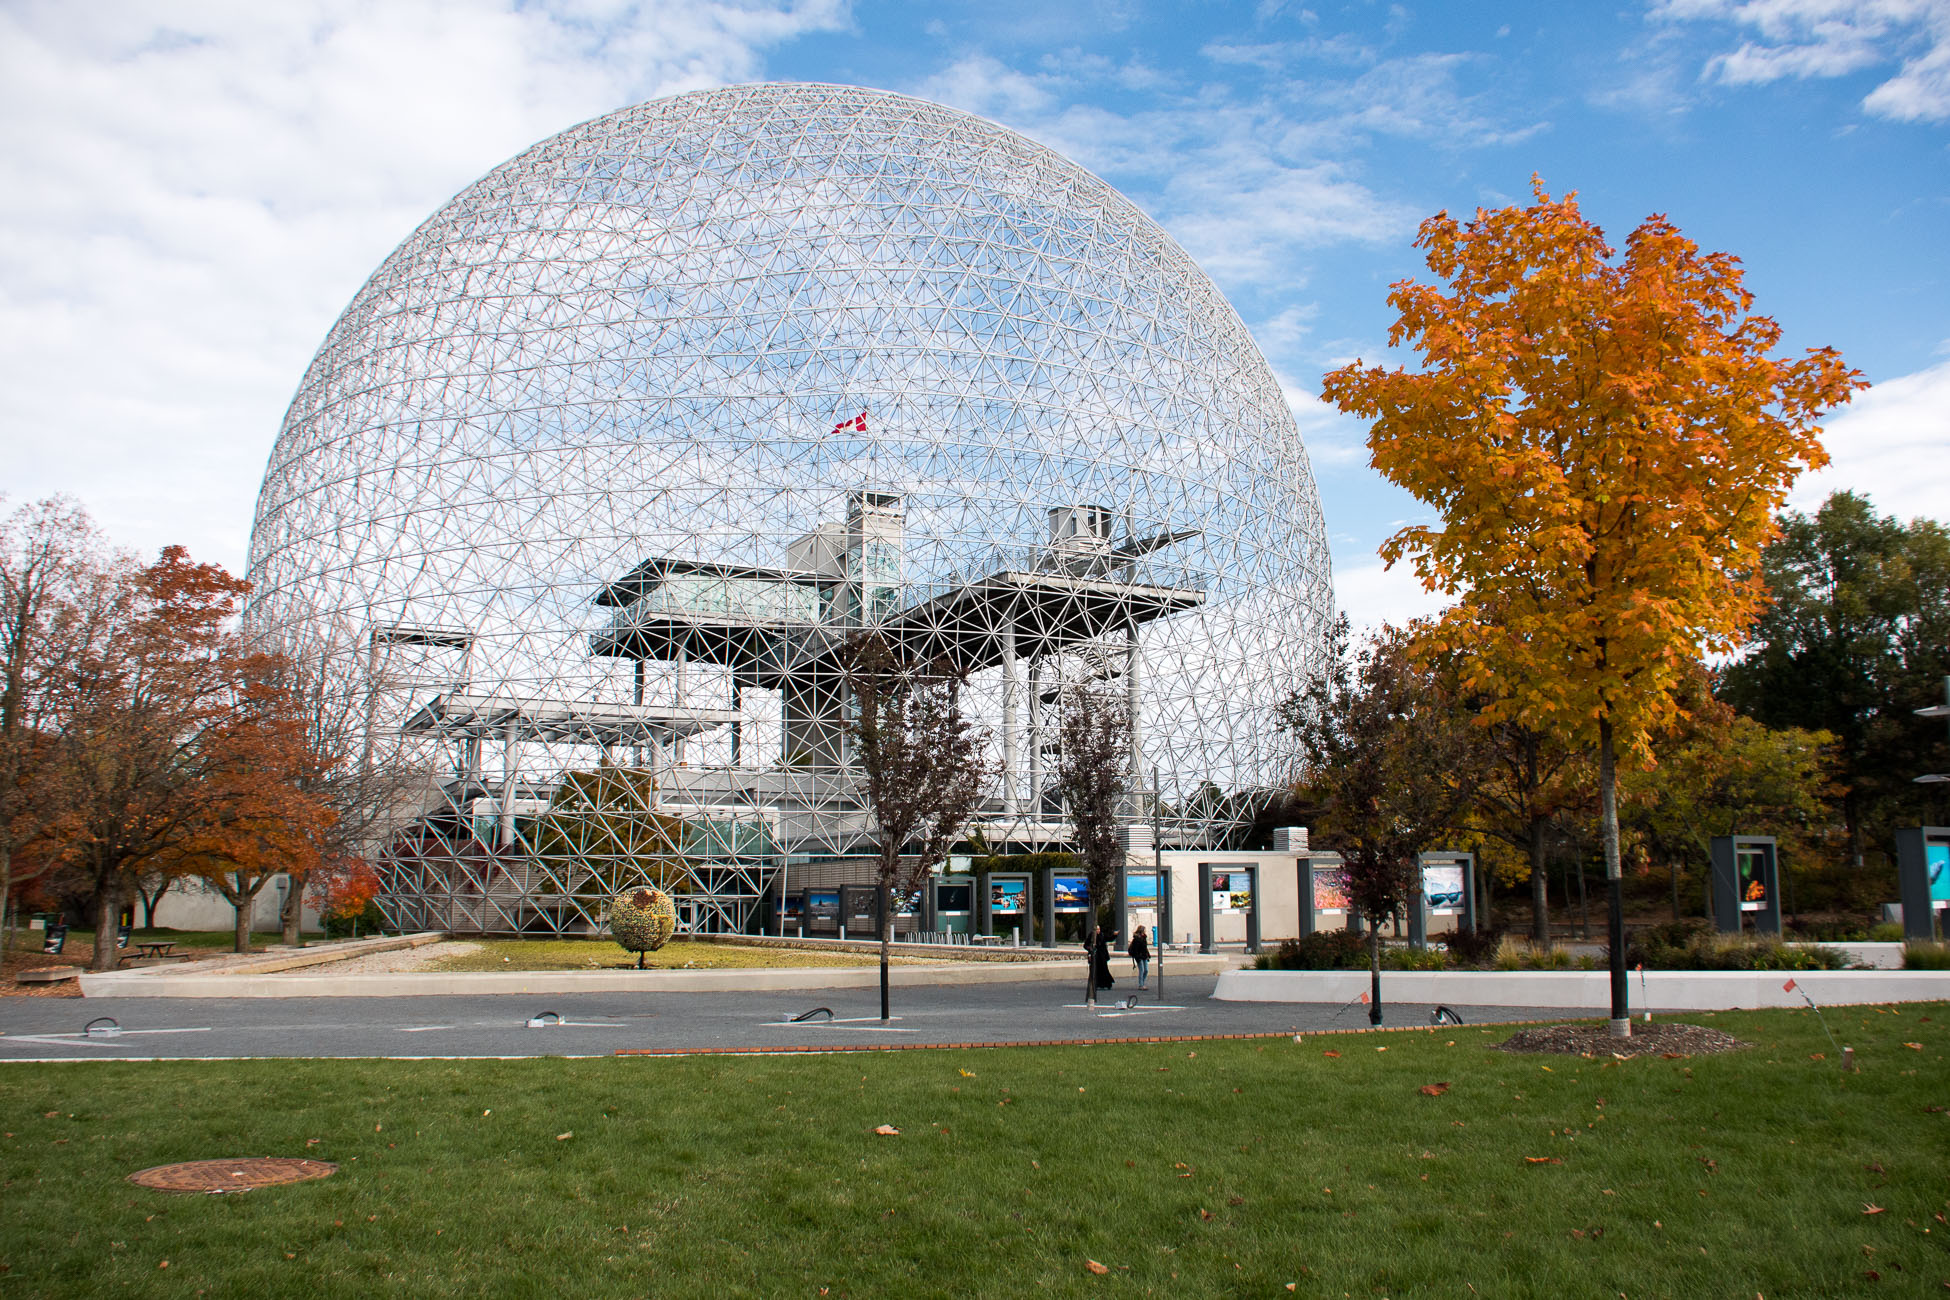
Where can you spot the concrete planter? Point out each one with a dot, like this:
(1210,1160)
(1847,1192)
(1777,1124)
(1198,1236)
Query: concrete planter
(1590,991)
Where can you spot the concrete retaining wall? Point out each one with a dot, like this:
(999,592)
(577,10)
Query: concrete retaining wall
(1590,991)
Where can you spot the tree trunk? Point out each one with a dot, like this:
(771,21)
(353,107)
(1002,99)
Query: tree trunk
(1621,1015)
(294,910)
(1851,817)
(886,943)
(6,892)
(1374,970)
(106,910)
(243,901)
(1089,961)
(1540,904)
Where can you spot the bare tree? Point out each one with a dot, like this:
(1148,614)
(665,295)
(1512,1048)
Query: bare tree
(57,585)
(336,682)
(1093,777)
(921,766)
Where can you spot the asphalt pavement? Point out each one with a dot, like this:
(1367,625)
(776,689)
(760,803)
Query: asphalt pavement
(601,1024)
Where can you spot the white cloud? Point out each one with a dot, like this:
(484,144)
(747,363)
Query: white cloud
(1371,595)
(1891,444)
(1242,186)
(193,195)
(1832,38)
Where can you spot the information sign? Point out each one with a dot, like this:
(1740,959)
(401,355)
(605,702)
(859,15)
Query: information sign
(1141,889)
(1232,891)
(1937,857)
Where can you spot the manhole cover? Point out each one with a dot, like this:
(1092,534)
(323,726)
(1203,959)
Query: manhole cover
(232,1175)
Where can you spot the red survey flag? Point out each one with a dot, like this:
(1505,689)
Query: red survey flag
(1788,987)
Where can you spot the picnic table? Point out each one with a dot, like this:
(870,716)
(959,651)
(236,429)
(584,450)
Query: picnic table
(157,948)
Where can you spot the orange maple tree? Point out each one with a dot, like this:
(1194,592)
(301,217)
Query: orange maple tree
(1607,442)
(172,751)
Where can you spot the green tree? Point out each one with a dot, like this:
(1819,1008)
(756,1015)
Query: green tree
(1606,443)
(1856,637)
(1720,773)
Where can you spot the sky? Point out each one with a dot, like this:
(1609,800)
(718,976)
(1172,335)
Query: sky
(196,188)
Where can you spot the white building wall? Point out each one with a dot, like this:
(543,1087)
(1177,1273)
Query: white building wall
(193,903)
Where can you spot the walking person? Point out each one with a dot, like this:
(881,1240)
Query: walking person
(1140,952)
(1100,960)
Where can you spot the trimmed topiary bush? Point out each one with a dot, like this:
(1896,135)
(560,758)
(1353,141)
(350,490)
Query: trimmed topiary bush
(642,920)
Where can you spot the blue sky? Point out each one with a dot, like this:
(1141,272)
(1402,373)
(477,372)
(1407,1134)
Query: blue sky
(197,189)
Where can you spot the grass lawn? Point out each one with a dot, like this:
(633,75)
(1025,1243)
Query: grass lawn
(1216,1169)
(604,954)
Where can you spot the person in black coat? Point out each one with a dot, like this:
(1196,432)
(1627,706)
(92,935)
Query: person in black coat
(1100,959)
(1140,952)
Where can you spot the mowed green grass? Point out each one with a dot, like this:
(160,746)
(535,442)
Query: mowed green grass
(603,954)
(1215,1169)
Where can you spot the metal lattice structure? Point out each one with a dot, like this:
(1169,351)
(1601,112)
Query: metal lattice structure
(606,461)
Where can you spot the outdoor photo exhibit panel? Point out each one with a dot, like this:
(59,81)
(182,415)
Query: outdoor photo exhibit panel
(1002,905)
(1923,875)
(949,905)
(1746,884)
(1229,904)
(1323,903)
(1448,899)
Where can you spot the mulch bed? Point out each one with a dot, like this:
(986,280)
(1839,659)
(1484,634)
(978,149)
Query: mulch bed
(1664,1038)
(239,1175)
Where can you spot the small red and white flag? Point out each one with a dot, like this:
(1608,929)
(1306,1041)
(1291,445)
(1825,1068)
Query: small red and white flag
(858,424)
(1788,987)
(1364,999)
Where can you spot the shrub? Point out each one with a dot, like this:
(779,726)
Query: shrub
(1691,945)
(1321,950)
(1886,932)
(367,920)
(1921,955)
(1413,959)
(1473,947)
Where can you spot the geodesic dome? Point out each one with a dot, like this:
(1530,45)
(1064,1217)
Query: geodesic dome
(605,456)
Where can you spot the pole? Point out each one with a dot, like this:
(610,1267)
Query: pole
(1164,881)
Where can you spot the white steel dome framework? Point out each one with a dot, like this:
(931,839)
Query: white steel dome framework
(598,469)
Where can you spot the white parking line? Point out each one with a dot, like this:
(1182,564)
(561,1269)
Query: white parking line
(98,1040)
(421,1029)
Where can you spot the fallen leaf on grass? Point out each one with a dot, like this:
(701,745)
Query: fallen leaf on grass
(1095,1267)
(1433,1089)
(966,1074)
(1868,1208)
(1914,1047)
(1334,1054)
(1204,1214)
(887,1130)
(1672,1056)
(564,1137)
(1542,1160)
(1817,1056)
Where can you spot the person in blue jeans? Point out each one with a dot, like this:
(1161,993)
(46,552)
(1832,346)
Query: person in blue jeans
(1140,952)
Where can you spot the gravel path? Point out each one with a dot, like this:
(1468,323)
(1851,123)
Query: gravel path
(402,959)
